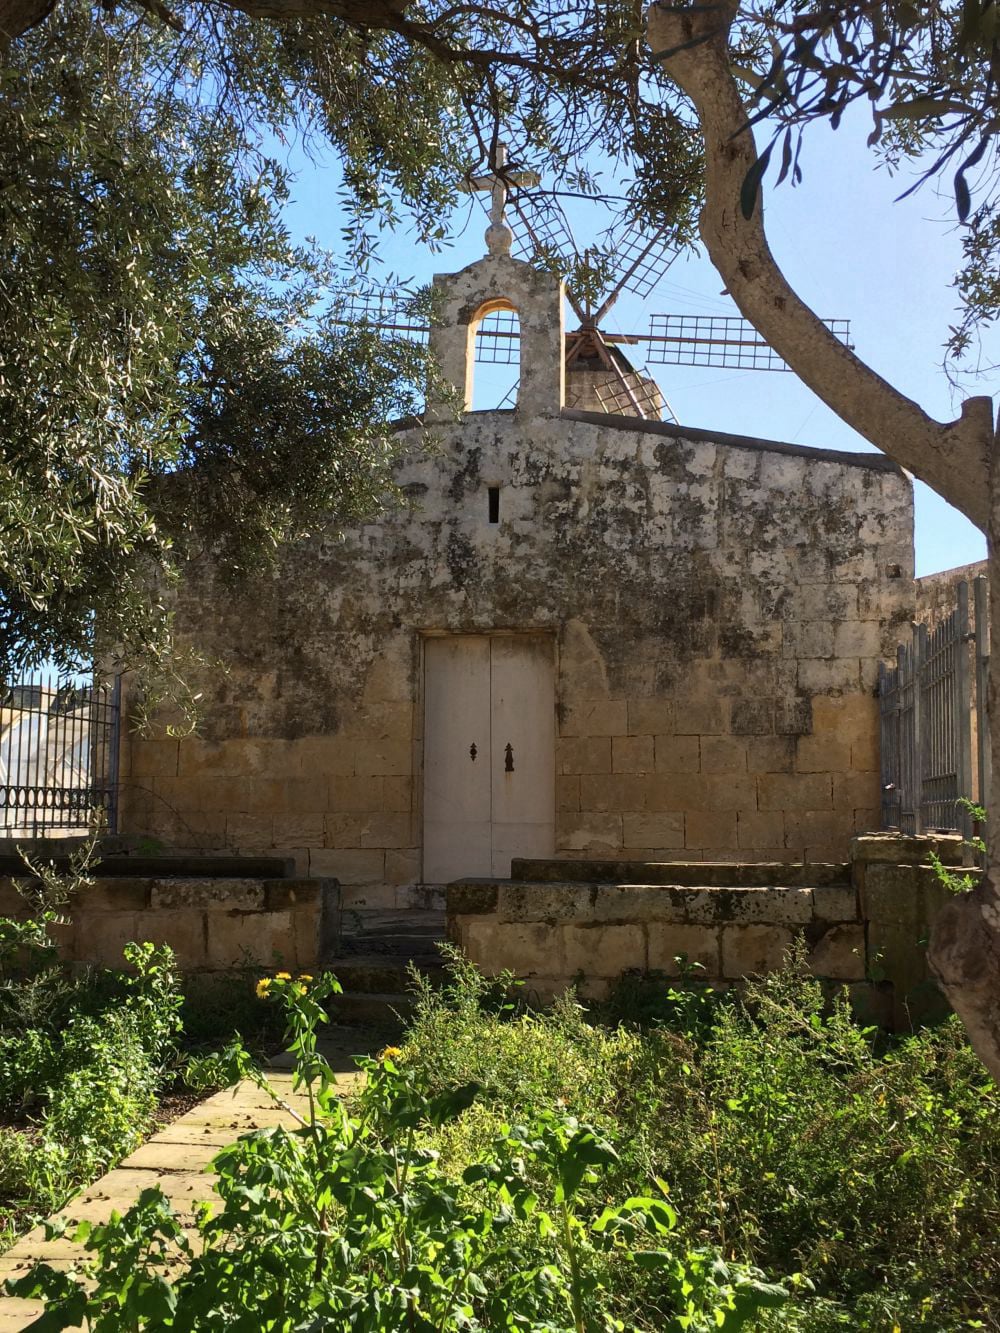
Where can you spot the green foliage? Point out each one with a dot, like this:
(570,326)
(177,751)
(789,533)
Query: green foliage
(82,1057)
(350,1221)
(791,1137)
(169,383)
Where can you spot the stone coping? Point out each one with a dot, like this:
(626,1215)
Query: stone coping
(178,1160)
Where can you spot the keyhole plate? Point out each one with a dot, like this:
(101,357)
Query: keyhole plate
(508,762)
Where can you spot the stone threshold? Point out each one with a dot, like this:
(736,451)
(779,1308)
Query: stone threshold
(178,1160)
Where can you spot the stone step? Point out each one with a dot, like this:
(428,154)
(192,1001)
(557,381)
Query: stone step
(377,973)
(693,874)
(167,867)
(396,934)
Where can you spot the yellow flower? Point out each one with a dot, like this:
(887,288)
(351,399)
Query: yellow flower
(305,976)
(390,1053)
(263,986)
(282,976)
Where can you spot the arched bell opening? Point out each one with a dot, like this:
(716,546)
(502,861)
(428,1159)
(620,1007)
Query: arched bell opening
(494,356)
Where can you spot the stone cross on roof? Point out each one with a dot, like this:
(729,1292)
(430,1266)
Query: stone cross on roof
(498,182)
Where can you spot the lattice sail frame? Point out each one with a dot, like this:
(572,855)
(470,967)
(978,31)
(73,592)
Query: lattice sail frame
(724,341)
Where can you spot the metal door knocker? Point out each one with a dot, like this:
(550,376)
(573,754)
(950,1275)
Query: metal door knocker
(509,758)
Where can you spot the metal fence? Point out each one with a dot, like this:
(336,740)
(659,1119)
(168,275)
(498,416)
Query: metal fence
(933,721)
(58,757)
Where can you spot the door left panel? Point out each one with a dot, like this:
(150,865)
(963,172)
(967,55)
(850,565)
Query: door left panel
(457,744)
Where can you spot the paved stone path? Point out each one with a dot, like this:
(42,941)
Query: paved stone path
(177,1159)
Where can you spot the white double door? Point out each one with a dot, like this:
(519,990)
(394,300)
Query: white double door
(489,753)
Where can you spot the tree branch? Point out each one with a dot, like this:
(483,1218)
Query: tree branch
(952,458)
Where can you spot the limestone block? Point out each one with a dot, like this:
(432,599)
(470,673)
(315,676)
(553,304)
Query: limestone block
(825,601)
(297,831)
(637,902)
(389,758)
(544,901)
(872,1003)
(282,895)
(849,717)
(858,638)
(649,717)
(581,665)
(771,754)
(696,944)
(703,717)
(588,831)
(251,832)
(801,791)
(109,894)
(350,866)
(747,950)
(402,865)
(817,675)
(835,902)
(356,794)
(276,796)
(567,792)
(865,752)
(390,675)
(855,791)
(397,794)
(778,906)
(840,954)
(247,939)
(100,937)
(245,894)
(324,756)
(583,754)
(698,792)
(602,950)
(522,948)
(472,897)
(374,897)
(632,754)
(807,638)
(812,829)
(908,849)
(793,716)
(184,930)
(152,757)
(710,828)
(822,754)
(595,717)
(759,828)
(752,717)
(378,829)
(613,791)
(677,754)
(653,830)
(723,754)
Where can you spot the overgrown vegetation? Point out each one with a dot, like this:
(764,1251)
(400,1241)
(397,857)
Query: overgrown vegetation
(730,1162)
(790,1137)
(82,1058)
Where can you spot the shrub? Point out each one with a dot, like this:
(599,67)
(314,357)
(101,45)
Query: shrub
(352,1221)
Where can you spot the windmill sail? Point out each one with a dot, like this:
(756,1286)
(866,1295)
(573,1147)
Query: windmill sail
(718,340)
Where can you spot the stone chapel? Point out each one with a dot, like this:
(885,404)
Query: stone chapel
(579,634)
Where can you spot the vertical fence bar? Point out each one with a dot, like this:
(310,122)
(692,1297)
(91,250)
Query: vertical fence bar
(919,741)
(963,710)
(980,593)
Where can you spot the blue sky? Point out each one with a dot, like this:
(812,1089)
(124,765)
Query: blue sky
(849,249)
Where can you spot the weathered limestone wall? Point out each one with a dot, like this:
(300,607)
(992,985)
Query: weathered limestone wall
(863,926)
(937,594)
(211,924)
(718,607)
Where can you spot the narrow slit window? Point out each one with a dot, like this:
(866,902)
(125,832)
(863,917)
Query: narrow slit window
(493,503)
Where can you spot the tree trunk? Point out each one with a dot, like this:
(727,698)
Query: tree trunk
(957,459)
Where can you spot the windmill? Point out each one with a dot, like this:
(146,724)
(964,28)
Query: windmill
(627,258)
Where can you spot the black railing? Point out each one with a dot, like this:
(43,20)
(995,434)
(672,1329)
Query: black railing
(59,756)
